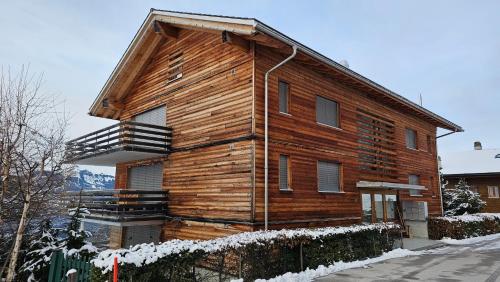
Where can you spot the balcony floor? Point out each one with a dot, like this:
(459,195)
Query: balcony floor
(111,158)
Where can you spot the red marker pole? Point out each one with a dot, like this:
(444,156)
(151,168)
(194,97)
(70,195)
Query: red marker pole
(115,270)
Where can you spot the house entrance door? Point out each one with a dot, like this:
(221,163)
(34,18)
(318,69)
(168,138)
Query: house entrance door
(379,206)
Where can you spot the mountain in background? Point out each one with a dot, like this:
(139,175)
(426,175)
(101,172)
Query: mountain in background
(87,180)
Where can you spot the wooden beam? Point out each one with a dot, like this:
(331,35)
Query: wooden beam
(165,30)
(236,40)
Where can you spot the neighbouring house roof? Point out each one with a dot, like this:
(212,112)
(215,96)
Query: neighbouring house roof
(144,41)
(475,162)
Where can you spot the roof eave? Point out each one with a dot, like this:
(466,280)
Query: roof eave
(280,36)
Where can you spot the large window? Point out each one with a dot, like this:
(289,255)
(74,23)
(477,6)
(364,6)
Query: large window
(493,192)
(284,97)
(284,177)
(328,177)
(414,180)
(327,111)
(411,138)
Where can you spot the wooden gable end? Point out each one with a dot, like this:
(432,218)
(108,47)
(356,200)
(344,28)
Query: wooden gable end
(205,84)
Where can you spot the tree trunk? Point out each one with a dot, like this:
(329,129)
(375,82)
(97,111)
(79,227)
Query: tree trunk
(11,271)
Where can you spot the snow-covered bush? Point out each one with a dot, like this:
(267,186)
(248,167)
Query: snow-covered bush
(251,254)
(464,226)
(461,200)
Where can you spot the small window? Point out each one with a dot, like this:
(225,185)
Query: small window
(284,177)
(411,138)
(328,177)
(284,97)
(175,66)
(327,111)
(414,180)
(493,192)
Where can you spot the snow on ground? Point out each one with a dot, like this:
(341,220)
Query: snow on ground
(310,274)
(472,240)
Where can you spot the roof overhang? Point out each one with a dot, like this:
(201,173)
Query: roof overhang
(388,185)
(472,175)
(146,40)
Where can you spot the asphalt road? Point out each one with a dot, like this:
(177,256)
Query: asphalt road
(475,262)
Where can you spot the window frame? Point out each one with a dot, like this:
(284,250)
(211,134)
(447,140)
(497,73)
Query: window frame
(289,173)
(289,97)
(418,192)
(406,138)
(495,194)
(338,126)
(340,177)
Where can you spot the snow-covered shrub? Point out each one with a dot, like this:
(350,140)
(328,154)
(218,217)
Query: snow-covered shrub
(251,254)
(464,226)
(461,200)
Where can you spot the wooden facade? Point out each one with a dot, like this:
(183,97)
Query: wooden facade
(212,85)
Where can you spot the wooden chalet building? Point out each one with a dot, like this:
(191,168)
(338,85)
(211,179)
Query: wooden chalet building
(480,169)
(190,97)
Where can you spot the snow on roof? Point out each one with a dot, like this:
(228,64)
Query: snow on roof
(471,162)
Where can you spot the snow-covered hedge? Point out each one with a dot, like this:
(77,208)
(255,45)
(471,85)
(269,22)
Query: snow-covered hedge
(464,226)
(249,255)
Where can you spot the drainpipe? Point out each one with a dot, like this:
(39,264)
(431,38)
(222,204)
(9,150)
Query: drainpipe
(266,137)
(439,171)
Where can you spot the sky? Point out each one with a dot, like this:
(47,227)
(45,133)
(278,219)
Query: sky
(446,51)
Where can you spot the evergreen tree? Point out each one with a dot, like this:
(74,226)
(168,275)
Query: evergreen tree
(75,243)
(461,200)
(37,260)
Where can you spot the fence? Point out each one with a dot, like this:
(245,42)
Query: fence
(59,266)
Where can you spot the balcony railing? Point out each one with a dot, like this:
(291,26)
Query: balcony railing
(122,142)
(122,206)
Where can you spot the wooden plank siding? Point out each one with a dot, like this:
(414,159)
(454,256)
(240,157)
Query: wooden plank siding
(209,173)
(299,136)
(215,172)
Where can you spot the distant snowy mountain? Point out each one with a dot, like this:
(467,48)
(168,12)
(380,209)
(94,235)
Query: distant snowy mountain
(85,179)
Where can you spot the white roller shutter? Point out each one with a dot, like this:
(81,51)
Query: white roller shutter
(156,116)
(146,177)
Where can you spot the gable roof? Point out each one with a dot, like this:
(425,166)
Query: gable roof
(471,162)
(145,42)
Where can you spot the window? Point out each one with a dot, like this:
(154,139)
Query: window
(284,97)
(497,156)
(493,192)
(411,138)
(327,111)
(328,177)
(175,66)
(414,180)
(284,177)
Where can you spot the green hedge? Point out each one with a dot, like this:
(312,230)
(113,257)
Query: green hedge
(463,226)
(249,255)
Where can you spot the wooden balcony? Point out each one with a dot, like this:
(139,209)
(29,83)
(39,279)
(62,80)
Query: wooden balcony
(123,142)
(122,207)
